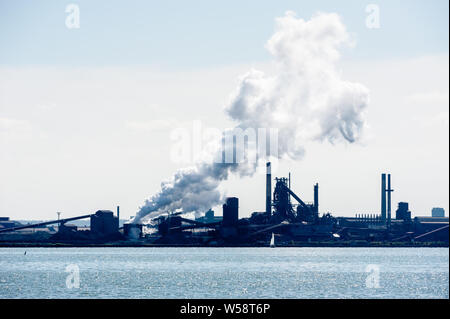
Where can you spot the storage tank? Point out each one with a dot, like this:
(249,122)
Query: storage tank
(231,211)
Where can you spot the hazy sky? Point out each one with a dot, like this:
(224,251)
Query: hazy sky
(86,114)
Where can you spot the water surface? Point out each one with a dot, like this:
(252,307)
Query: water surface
(225,272)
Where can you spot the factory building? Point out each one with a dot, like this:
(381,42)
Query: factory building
(437,212)
(230,212)
(230,218)
(431,228)
(104,223)
(5,222)
(209,218)
(402,212)
(66,230)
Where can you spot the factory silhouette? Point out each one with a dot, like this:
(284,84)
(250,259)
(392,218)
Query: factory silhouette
(287,218)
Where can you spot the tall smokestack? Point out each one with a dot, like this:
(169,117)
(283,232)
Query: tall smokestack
(268,189)
(383,197)
(316,198)
(389,191)
(118,209)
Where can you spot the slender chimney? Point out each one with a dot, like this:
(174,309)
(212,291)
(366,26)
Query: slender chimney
(118,208)
(383,197)
(389,191)
(316,198)
(268,189)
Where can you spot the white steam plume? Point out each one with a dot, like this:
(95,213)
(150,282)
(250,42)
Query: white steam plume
(305,99)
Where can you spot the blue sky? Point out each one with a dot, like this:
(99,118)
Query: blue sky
(200,33)
(86,114)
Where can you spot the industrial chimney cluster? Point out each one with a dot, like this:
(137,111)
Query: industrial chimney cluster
(287,217)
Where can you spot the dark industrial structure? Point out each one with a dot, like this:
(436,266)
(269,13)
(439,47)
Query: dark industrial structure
(104,223)
(437,212)
(293,220)
(287,217)
(104,226)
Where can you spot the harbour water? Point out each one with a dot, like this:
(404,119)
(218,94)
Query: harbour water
(224,273)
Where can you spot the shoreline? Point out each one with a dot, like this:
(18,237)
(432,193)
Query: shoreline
(296,245)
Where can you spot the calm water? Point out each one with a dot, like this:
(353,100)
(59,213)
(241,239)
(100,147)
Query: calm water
(225,272)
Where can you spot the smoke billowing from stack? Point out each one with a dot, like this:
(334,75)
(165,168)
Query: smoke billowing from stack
(304,99)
